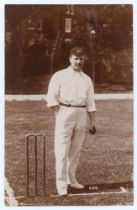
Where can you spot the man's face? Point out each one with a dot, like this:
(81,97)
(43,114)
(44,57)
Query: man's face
(77,62)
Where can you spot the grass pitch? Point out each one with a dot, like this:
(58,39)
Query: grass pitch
(106,157)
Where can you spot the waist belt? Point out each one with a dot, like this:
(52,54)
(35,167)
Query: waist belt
(69,105)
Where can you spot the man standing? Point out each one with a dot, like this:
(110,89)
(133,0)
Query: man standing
(71,96)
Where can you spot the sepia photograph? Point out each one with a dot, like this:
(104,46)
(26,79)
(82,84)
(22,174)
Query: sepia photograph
(68,105)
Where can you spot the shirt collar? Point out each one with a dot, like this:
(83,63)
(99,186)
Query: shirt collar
(72,70)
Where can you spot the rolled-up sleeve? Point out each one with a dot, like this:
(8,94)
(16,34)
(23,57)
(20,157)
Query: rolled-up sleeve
(91,107)
(53,91)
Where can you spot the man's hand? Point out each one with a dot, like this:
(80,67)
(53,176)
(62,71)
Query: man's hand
(92,129)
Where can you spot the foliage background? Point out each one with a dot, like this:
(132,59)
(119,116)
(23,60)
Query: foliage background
(35,44)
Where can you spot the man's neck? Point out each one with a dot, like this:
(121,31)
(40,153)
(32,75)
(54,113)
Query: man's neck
(76,70)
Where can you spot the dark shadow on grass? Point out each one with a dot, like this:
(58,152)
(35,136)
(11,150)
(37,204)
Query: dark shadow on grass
(101,187)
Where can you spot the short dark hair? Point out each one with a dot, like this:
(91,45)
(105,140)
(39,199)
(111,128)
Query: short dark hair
(77,51)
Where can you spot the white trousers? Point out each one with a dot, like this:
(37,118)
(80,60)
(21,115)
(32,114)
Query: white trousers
(70,132)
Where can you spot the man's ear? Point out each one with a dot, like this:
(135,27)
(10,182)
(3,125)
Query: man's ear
(70,58)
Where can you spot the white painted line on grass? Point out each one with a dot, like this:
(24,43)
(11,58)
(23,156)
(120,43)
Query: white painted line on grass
(123,189)
(25,97)
(10,197)
(102,96)
(118,96)
(121,204)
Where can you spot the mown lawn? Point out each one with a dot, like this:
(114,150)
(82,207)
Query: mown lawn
(106,157)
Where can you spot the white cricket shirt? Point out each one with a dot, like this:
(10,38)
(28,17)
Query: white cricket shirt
(71,87)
